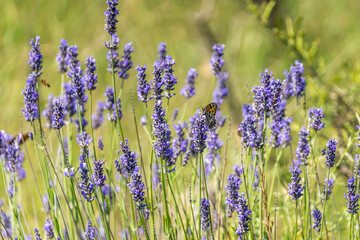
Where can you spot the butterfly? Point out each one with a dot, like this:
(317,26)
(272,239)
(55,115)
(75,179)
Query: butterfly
(210,112)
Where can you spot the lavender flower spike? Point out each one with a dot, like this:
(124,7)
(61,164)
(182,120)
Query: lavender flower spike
(157,82)
(303,149)
(188,90)
(233,195)
(244,213)
(216,61)
(57,114)
(31,96)
(199,132)
(317,219)
(90,76)
(295,83)
(35,57)
(90,231)
(99,177)
(126,63)
(162,51)
(351,198)
(137,187)
(86,185)
(37,234)
(169,78)
(49,229)
(143,86)
(205,213)
(61,56)
(315,116)
(110,15)
(295,187)
(330,152)
(329,183)
(128,158)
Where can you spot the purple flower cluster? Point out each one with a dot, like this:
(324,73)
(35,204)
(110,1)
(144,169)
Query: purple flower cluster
(280,127)
(125,64)
(57,120)
(216,61)
(61,56)
(351,198)
(14,159)
(100,144)
(214,145)
(179,143)
(248,128)
(137,187)
(110,15)
(162,145)
(303,149)
(49,229)
(86,184)
(69,100)
(330,152)
(97,118)
(109,105)
(221,90)
(199,132)
(329,184)
(205,214)
(244,219)
(112,55)
(48,111)
(143,86)
(162,51)
(99,177)
(295,187)
(315,116)
(295,83)
(168,77)
(31,97)
(90,77)
(128,159)
(157,82)
(37,234)
(89,231)
(83,140)
(188,90)
(317,216)
(6,225)
(233,195)
(35,57)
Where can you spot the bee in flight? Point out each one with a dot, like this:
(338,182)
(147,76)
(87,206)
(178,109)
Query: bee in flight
(210,112)
(45,83)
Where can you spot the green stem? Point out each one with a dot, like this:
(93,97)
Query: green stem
(323,208)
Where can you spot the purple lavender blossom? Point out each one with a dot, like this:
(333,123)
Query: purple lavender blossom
(239,170)
(137,187)
(295,83)
(143,86)
(317,216)
(11,188)
(199,132)
(112,55)
(31,97)
(162,145)
(179,143)
(188,90)
(69,100)
(57,120)
(90,77)
(351,197)
(61,56)
(330,152)
(35,57)
(280,127)
(295,187)
(315,116)
(233,195)
(100,143)
(99,177)
(110,15)
(86,184)
(303,149)
(128,158)
(143,120)
(216,61)
(157,82)
(162,51)
(125,64)
(69,172)
(169,78)
(244,219)
(6,225)
(48,112)
(89,231)
(37,234)
(221,90)
(214,145)
(248,129)
(205,214)
(49,229)
(109,105)
(83,140)
(97,118)
(14,158)
(329,183)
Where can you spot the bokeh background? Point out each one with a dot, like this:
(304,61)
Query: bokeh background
(323,34)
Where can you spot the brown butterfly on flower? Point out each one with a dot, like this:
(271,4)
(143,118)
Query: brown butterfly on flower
(210,112)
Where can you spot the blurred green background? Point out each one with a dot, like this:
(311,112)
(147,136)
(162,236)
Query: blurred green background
(324,34)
